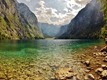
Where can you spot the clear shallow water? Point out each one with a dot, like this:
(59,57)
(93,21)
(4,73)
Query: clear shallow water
(40,58)
(36,48)
(47,45)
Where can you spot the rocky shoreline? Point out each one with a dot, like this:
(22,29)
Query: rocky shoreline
(94,62)
(90,64)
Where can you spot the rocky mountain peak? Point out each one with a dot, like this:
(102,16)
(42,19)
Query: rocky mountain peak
(87,23)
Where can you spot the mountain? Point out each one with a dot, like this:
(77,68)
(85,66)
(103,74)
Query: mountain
(29,19)
(17,21)
(49,30)
(87,23)
(62,30)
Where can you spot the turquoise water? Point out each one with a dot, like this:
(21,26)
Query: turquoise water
(39,47)
(47,45)
(39,58)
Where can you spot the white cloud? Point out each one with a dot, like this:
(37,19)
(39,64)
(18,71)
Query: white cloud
(28,0)
(55,11)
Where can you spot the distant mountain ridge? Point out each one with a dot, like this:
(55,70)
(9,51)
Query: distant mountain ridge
(62,30)
(49,30)
(87,23)
(16,23)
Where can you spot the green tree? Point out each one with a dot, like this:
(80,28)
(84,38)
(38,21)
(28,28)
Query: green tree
(104,9)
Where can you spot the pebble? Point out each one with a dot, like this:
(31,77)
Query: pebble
(91,77)
(87,71)
(99,70)
(95,47)
(53,78)
(87,63)
(89,68)
(104,66)
(65,74)
(105,57)
(104,74)
(104,53)
(104,49)
(105,60)
(85,78)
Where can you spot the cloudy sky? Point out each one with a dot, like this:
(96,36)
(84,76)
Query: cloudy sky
(55,11)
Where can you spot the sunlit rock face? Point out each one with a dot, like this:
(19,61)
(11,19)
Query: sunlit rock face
(11,25)
(29,19)
(27,14)
(87,24)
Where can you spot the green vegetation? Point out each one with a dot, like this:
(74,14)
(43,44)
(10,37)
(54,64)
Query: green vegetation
(11,26)
(104,9)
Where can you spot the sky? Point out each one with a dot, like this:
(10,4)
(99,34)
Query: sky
(58,12)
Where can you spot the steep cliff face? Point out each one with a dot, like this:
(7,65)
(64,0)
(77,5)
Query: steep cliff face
(87,24)
(13,25)
(29,19)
